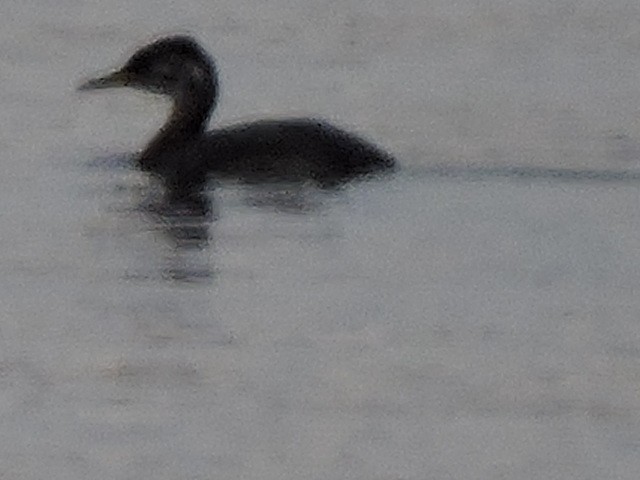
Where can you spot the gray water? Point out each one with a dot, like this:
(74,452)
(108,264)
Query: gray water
(473,317)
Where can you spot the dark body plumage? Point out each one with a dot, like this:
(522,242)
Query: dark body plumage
(184,155)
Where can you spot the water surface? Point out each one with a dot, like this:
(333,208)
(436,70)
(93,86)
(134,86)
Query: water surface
(473,317)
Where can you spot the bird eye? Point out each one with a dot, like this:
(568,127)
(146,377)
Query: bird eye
(166,72)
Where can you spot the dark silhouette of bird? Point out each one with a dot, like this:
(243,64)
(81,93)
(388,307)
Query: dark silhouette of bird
(184,154)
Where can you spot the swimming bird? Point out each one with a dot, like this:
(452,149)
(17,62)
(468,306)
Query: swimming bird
(184,155)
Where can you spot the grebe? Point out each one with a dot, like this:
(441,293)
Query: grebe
(184,155)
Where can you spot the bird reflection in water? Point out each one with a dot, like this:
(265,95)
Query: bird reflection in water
(185,225)
(166,236)
(183,229)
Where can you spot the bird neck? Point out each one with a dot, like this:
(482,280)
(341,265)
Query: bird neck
(192,107)
(193,104)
